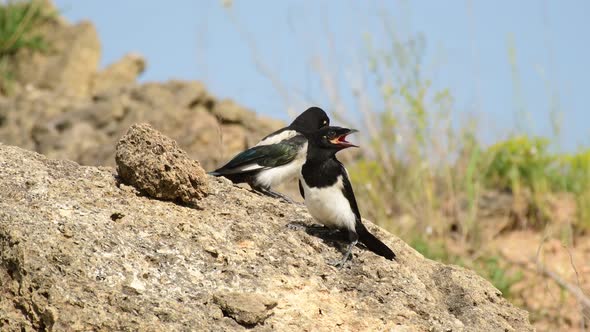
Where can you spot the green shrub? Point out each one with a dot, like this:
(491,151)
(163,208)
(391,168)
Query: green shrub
(521,162)
(525,165)
(576,179)
(576,172)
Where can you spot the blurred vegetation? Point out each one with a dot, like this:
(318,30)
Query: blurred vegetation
(525,164)
(417,163)
(18,23)
(424,177)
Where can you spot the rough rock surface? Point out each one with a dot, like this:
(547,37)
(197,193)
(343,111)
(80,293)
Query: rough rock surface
(78,251)
(86,129)
(154,164)
(119,74)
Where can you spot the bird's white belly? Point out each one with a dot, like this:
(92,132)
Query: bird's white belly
(274,176)
(329,206)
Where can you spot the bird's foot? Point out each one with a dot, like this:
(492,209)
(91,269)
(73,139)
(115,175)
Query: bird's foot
(297,226)
(345,258)
(338,263)
(285,198)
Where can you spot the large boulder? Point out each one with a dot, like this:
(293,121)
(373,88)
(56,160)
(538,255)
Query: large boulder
(81,251)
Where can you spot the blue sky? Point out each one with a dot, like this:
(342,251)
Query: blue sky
(467,51)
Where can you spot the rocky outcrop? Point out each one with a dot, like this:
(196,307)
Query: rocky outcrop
(81,251)
(119,74)
(86,129)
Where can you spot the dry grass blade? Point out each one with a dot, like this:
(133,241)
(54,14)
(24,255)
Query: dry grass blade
(577,292)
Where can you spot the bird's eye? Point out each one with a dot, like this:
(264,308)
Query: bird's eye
(325,121)
(325,136)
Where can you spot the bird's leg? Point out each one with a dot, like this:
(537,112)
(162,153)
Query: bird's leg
(339,263)
(273,194)
(284,197)
(353,237)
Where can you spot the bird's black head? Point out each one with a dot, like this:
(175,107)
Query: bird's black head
(311,120)
(331,138)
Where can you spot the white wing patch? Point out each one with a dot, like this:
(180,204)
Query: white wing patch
(243,168)
(250,167)
(278,137)
(329,206)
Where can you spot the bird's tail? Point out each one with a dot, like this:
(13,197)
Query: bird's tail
(214,173)
(374,244)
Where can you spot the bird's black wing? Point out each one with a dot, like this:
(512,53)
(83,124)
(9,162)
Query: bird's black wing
(369,240)
(263,157)
(349,193)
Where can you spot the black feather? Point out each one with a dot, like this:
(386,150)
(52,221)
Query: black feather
(369,240)
(267,156)
(301,191)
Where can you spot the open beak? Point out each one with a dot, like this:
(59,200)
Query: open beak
(341,141)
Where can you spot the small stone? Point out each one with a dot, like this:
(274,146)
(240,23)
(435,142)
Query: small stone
(248,309)
(156,166)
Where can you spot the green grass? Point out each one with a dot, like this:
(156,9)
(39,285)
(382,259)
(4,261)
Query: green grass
(18,23)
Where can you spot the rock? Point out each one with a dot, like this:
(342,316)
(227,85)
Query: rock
(78,252)
(247,309)
(119,74)
(153,163)
(71,71)
(86,129)
(227,111)
(24,114)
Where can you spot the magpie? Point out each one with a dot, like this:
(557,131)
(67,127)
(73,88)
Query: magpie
(277,158)
(328,194)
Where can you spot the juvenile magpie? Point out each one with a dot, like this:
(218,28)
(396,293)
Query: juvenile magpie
(277,158)
(328,194)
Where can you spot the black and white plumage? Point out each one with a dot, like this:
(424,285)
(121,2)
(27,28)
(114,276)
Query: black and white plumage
(278,157)
(329,197)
